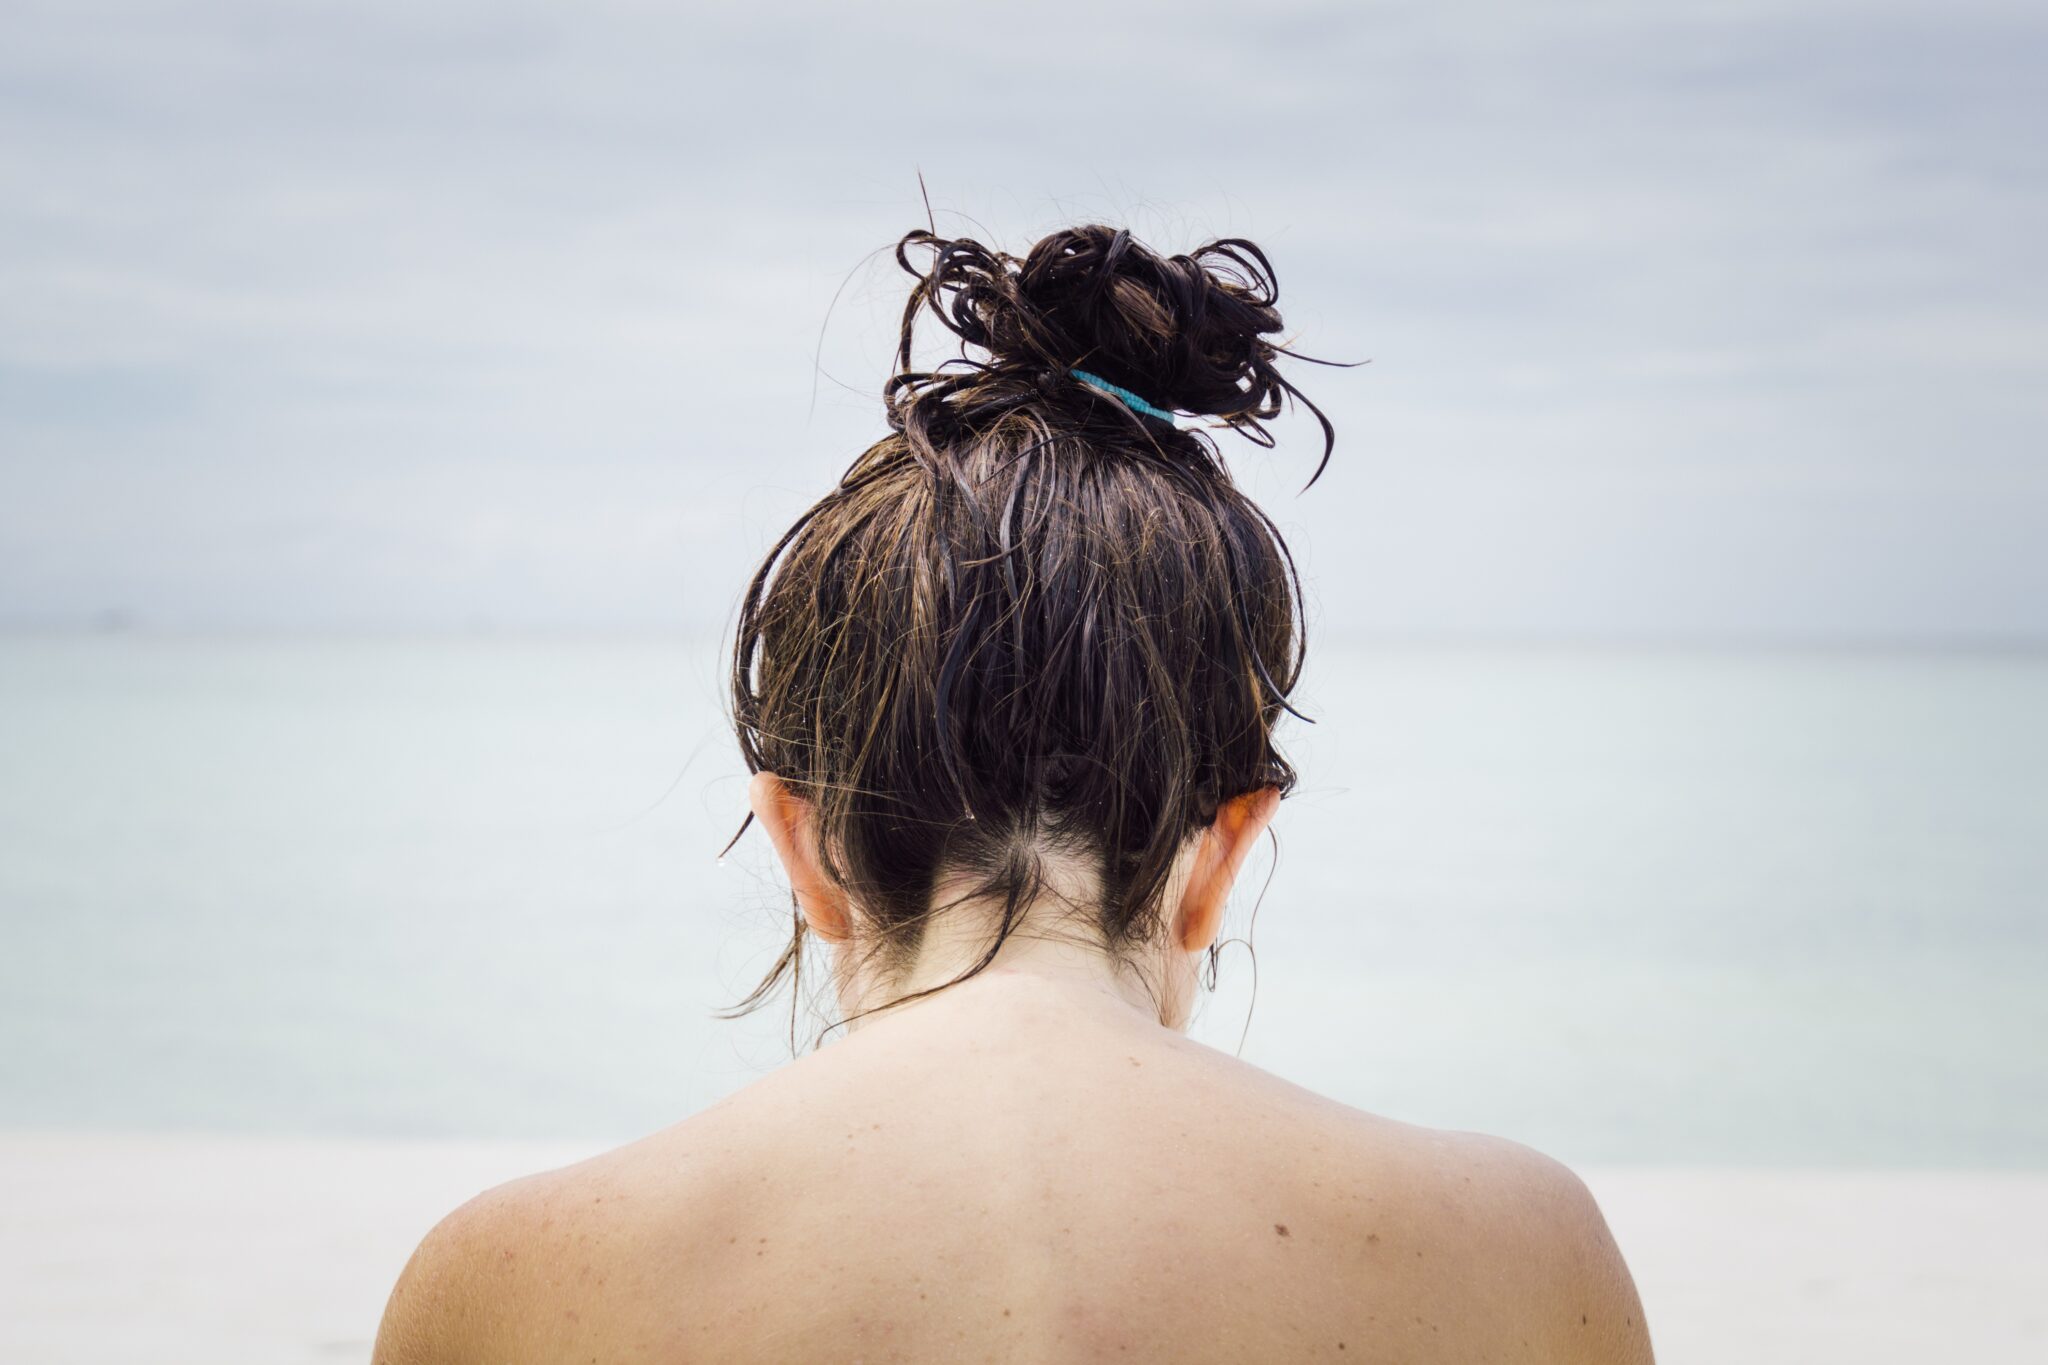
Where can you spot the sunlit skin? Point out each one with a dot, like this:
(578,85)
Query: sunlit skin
(1035,1164)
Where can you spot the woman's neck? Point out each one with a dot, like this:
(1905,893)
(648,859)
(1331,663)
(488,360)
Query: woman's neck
(1047,952)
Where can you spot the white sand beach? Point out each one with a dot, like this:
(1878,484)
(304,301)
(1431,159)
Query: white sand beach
(275,1250)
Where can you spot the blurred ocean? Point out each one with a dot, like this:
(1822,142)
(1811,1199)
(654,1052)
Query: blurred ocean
(1773,907)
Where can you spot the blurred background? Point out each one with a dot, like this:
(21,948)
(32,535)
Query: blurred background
(394,400)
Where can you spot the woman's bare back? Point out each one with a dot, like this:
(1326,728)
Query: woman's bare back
(1007,1172)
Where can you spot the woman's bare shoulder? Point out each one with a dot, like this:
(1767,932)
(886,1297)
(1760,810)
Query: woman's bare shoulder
(499,1276)
(1542,1236)
(483,1284)
(1478,1209)
(444,1307)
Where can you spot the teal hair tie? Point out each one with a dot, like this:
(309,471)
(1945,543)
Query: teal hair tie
(1124,396)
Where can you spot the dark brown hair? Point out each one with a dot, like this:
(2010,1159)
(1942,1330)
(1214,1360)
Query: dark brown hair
(1032,620)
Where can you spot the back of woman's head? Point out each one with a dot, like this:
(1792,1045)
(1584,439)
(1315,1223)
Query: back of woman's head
(1034,625)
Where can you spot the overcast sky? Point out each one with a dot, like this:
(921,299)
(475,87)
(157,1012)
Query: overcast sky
(1700,320)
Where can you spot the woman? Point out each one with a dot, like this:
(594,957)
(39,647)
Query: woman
(1008,693)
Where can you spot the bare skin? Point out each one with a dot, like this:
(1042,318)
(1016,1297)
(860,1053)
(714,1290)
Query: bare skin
(1032,1165)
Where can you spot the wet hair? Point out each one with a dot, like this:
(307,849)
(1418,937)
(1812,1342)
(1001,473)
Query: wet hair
(1032,622)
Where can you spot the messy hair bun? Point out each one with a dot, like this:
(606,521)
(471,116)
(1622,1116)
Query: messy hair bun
(1036,626)
(1189,333)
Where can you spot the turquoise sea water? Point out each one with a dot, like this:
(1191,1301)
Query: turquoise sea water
(1762,907)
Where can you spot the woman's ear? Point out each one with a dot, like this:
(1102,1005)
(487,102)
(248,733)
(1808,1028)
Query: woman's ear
(1223,848)
(788,819)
